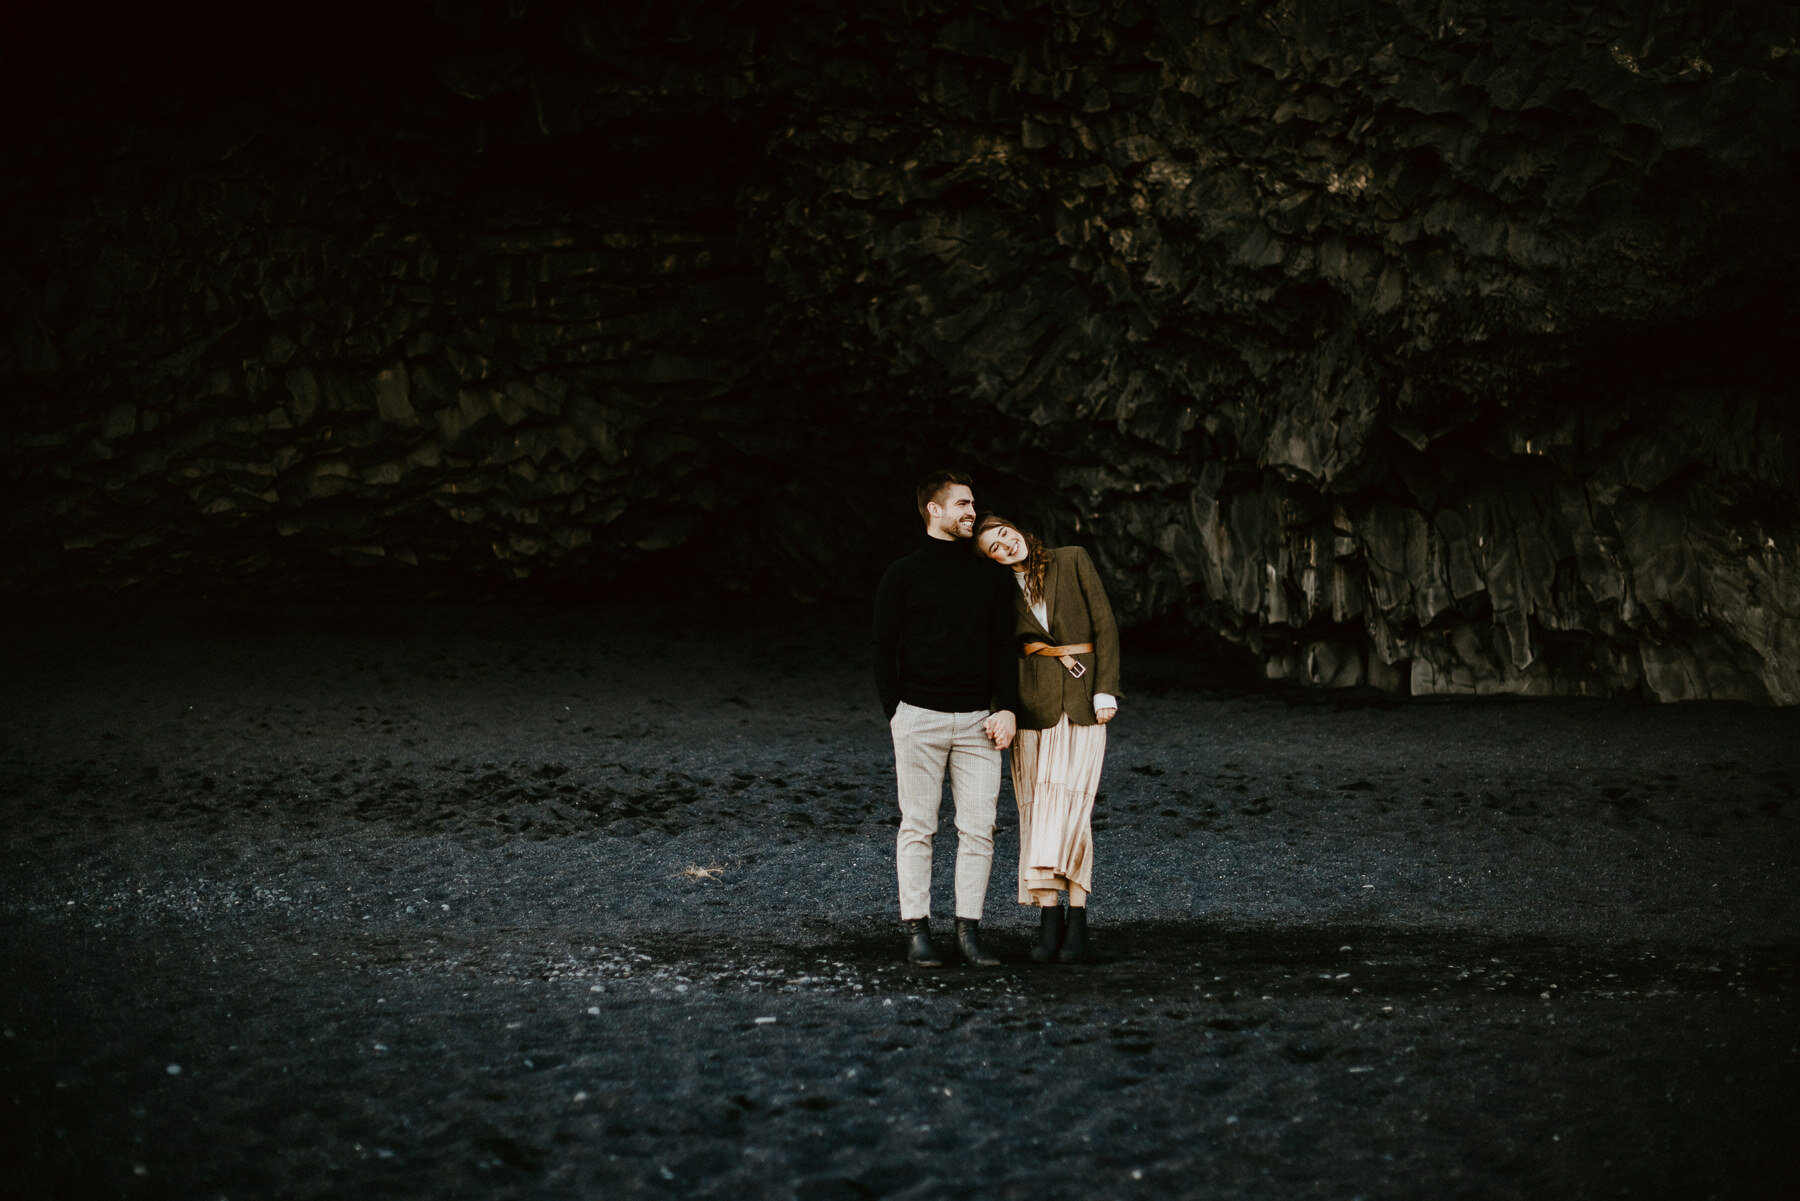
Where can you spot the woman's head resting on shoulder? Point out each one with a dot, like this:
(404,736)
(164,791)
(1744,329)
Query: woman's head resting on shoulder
(998,539)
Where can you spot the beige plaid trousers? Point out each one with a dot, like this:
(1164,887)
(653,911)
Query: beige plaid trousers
(926,742)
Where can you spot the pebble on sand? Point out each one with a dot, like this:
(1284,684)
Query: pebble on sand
(174,1069)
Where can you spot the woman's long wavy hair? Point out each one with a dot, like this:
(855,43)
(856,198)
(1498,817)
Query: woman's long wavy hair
(1037,555)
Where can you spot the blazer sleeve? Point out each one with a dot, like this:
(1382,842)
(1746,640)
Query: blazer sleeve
(1100,616)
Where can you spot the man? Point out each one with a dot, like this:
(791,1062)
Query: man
(948,677)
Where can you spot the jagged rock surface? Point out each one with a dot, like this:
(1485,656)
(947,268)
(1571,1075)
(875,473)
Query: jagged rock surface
(1429,347)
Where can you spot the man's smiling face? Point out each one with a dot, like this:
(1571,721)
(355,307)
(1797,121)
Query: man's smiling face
(953,514)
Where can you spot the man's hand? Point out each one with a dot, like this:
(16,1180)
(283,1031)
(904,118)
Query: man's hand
(1000,727)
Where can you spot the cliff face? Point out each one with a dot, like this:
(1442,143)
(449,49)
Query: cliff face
(1433,347)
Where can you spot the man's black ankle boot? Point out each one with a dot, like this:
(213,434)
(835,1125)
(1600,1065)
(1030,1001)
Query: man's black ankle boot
(919,951)
(968,944)
(1050,934)
(1074,945)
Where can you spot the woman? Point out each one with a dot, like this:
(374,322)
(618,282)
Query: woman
(1068,691)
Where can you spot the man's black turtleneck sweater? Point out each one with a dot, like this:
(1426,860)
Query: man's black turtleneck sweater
(943,632)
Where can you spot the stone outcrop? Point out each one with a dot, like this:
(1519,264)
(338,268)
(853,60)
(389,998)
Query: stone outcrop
(1431,347)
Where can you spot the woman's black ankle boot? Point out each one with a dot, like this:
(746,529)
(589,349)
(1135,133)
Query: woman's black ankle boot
(1074,944)
(1050,934)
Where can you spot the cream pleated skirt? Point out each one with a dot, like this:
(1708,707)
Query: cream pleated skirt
(1055,774)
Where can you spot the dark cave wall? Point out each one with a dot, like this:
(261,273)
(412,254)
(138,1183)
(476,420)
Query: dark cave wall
(1434,347)
(387,325)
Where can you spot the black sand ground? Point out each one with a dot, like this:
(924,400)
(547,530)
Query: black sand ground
(426,903)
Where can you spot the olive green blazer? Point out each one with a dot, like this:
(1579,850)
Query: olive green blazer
(1078,612)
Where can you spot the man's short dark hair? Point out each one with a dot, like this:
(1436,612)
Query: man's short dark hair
(932,487)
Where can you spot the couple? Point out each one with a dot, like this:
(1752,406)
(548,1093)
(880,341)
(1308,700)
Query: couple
(970,659)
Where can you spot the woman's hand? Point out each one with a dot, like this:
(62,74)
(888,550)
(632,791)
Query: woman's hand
(1104,715)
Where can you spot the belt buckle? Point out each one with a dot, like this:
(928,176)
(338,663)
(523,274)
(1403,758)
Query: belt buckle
(1077,669)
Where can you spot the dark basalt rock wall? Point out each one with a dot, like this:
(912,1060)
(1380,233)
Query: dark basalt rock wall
(1436,347)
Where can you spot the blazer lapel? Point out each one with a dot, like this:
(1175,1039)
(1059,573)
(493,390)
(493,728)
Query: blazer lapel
(1027,620)
(1051,575)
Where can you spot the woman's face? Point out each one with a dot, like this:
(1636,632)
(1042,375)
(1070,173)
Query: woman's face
(1002,544)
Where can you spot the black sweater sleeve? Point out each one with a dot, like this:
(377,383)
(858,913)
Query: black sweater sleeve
(890,607)
(1004,653)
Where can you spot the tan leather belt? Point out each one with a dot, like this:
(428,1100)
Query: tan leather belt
(1065,653)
